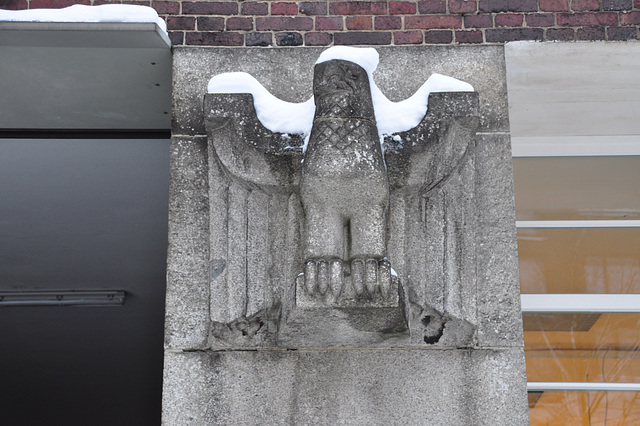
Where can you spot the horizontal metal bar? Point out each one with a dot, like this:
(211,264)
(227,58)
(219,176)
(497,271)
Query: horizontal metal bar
(85,133)
(580,303)
(583,387)
(570,224)
(92,31)
(62,297)
(575,146)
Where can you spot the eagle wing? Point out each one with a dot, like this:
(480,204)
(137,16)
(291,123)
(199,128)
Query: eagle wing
(432,218)
(255,222)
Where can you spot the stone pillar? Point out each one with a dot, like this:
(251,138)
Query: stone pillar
(245,343)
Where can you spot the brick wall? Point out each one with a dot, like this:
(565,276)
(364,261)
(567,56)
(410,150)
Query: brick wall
(323,23)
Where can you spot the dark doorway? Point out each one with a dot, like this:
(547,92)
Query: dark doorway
(83,214)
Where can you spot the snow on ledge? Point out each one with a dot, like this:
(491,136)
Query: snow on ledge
(286,117)
(84,13)
(274,114)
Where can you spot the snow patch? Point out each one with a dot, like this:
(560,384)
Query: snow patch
(395,117)
(85,13)
(366,57)
(274,114)
(286,117)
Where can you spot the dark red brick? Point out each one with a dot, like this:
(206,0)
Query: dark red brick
(402,8)
(463,6)
(622,33)
(166,7)
(242,24)
(176,37)
(592,33)
(209,8)
(408,37)
(214,39)
(54,4)
(181,23)
(478,21)
(509,20)
(14,4)
(438,37)
(513,34)
(432,22)
(258,39)
(289,39)
(331,23)
(358,8)
(358,22)
(554,5)
(636,4)
(631,18)
(362,38)
(617,5)
(284,9)
(587,19)
(508,5)
(560,34)
(255,8)
(210,23)
(388,23)
(540,20)
(314,8)
(585,5)
(318,39)
(137,2)
(284,23)
(432,6)
(467,37)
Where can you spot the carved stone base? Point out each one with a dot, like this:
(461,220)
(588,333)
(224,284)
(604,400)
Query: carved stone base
(343,327)
(346,304)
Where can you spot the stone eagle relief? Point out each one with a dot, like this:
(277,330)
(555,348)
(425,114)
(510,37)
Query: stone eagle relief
(344,192)
(349,242)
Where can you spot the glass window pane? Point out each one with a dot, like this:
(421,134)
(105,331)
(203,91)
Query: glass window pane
(555,408)
(604,349)
(579,260)
(584,188)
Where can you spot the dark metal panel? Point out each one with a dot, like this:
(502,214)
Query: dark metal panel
(84,76)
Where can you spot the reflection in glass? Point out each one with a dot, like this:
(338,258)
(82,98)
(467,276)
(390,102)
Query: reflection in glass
(579,260)
(555,408)
(602,351)
(577,188)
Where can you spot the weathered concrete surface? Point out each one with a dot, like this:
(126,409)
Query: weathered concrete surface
(346,387)
(187,314)
(500,320)
(454,242)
